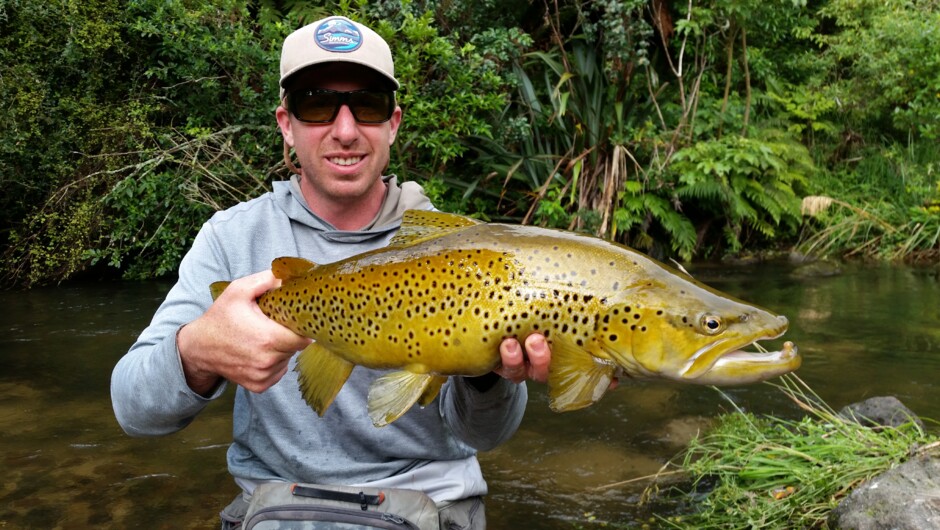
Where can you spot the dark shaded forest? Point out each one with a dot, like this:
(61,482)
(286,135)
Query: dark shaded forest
(688,130)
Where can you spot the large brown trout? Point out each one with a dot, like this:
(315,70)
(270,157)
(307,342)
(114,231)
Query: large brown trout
(439,299)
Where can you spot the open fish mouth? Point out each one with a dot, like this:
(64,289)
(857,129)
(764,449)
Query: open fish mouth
(739,366)
(761,356)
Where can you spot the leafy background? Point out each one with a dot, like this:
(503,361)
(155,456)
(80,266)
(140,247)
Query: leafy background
(703,129)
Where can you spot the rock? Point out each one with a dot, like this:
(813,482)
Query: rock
(887,411)
(904,498)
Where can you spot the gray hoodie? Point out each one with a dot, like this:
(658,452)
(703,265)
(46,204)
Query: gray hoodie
(276,436)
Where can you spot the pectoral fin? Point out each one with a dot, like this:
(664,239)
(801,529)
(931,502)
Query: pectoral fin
(216,288)
(576,378)
(393,394)
(322,374)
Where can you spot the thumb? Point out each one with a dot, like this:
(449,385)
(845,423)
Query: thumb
(257,284)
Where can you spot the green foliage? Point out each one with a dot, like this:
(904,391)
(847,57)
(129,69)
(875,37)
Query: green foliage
(150,244)
(561,141)
(60,252)
(884,64)
(675,128)
(749,183)
(62,110)
(163,201)
(448,93)
(777,473)
(210,62)
(643,211)
(884,207)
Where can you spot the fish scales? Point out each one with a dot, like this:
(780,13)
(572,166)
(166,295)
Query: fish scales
(454,297)
(439,299)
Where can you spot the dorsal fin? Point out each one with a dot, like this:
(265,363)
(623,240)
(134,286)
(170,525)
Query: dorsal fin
(421,225)
(286,267)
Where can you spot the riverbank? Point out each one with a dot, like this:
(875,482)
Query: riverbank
(871,465)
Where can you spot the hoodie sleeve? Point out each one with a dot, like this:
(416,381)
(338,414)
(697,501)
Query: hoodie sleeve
(483,419)
(149,393)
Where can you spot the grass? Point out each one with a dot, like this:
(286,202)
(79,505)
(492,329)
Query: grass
(765,472)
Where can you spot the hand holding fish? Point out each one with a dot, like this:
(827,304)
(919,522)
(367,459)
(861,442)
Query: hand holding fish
(519,364)
(236,341)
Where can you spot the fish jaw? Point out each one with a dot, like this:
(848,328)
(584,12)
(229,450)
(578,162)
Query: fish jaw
(742,367)
(724,362)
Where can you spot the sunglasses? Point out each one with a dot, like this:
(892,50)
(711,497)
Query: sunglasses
(322,106)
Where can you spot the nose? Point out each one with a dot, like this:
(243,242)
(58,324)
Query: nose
(345,129)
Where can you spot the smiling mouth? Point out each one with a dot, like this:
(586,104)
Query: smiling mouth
(345,161)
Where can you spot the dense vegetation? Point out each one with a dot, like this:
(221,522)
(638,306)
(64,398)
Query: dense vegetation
(751,472)
(697,129)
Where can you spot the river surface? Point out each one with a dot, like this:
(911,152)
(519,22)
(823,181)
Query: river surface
(66,464)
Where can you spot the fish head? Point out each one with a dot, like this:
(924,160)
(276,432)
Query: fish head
(682,330)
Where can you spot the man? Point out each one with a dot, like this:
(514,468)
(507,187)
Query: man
(339,115)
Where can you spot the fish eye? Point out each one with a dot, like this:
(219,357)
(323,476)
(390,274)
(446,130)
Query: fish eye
(711,324)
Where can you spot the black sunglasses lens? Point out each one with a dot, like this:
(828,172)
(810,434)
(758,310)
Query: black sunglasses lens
(371,107)
(322,106)
(315,106)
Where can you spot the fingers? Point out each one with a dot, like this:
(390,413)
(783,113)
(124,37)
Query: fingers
(259,283)
(235,340)
(513,360)
(540,356)
(532,362)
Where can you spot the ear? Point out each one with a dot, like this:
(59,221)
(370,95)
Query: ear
(393,123)
(283,121)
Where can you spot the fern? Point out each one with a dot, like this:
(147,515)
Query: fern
(751,182)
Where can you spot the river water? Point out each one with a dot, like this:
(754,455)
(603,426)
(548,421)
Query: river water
(66,463)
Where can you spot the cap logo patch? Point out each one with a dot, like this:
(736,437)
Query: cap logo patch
(338,35)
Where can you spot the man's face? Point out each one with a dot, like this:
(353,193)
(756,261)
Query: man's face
(342,161)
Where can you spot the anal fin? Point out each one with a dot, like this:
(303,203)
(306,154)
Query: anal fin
(393,394)
(322,374)
(576,378)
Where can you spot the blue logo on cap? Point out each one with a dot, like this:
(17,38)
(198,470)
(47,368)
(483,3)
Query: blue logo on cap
(338,35)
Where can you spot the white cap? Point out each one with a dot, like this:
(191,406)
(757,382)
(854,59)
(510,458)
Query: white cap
(336,39)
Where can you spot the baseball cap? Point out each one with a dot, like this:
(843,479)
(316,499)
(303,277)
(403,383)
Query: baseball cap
(335,39)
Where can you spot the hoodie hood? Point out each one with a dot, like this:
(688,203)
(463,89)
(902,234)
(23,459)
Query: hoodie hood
(398,198)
